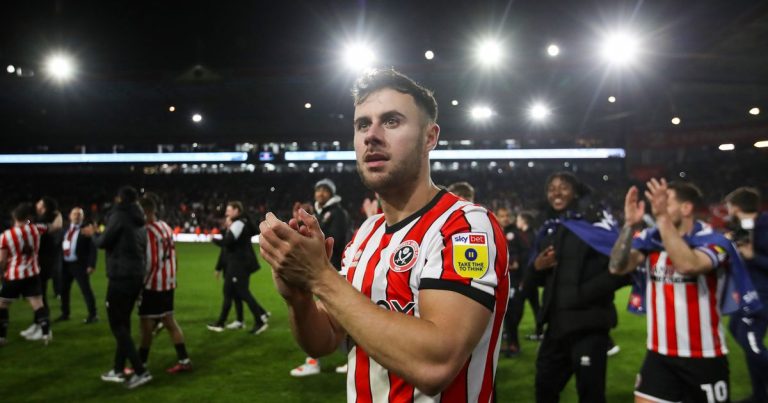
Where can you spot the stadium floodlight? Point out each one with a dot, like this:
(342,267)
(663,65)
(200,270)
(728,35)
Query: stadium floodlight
(726,147)
(359,57)
(611,99)
(675,120)
(429,55)
(197,118)
(553,50)
(307,105)
(10,69)
(761,144)
(489,52)
(620,48)
(539,112)
(481,113)
(455,102)
(60,67)
(754,111)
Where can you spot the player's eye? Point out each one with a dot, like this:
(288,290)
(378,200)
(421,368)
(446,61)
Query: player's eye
(362,125)
(391,122)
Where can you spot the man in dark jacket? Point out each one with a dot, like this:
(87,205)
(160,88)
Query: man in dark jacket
(751,237)
(239,322)
(334,222)
(78,263)
(239,263)
(577,304)
(50,254)
(125,242)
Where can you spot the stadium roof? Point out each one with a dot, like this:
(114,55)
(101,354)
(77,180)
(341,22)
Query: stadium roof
(249,69)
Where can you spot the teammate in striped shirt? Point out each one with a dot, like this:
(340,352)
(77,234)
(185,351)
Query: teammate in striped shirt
(424,285)
(19,247)
(686,358)
(156,305)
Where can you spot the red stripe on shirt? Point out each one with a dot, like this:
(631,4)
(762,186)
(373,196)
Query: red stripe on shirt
(694,320)
(671,324)
(362,376)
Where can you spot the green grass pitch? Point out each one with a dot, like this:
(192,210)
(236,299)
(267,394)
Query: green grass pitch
(235,366)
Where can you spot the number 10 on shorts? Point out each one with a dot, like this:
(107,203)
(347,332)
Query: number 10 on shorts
(717,392)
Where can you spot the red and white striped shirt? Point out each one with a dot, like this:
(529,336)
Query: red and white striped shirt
(684,310)
(161,257)
(22,244)
(450,244)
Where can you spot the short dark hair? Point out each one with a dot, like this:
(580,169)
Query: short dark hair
(747,199)
(236,204)
(148,204)
(527,216)
(128,194)
(51,205)
(463,190)
(579,188)
(687,192)
(378,79)
(23,212)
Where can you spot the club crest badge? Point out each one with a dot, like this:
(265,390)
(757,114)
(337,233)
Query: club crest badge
(404,257)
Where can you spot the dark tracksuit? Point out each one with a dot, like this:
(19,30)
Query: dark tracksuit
(334,222)
(578,309)
(525,289)
(125,242)
(77,270)
(749,331)
(238,263)
(49,258)
(220,266)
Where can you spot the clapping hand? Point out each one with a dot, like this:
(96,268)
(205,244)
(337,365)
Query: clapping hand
(657,196)
(634,209)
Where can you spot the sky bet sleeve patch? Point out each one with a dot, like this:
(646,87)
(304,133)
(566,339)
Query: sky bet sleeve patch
(470,254)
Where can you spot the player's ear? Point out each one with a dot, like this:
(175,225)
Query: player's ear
(432,135)
(687,208)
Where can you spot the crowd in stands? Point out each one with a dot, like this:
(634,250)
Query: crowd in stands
(194,203)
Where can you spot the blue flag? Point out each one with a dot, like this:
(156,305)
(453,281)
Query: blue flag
(599,235)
